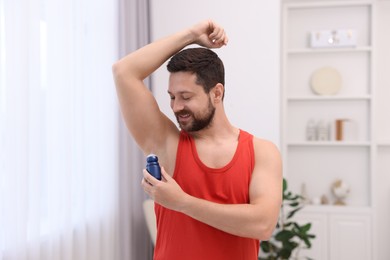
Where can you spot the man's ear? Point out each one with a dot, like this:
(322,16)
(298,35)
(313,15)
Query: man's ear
(218,91)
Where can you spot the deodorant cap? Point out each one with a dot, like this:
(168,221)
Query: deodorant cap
(152,158)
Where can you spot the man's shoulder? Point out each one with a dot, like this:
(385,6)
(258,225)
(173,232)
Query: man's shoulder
(267,153)
(264,147)
(258,140)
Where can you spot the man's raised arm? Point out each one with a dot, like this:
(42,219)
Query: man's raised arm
(148,125)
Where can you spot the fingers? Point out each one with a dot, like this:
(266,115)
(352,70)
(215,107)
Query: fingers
(148,182)
(149,179)
(218,35)
(209,34)
(165,176)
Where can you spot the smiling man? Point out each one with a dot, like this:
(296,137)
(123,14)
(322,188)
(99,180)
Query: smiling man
(220,193)
(200,70)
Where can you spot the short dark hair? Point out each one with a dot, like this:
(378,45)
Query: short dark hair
(205,63)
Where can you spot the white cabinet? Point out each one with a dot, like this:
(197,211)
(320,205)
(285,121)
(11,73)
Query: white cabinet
(350,236)
(382,195)
(343,232)
(319,249)
(320,162)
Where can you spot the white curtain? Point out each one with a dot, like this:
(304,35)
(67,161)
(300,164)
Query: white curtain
(134,237)
(58,130)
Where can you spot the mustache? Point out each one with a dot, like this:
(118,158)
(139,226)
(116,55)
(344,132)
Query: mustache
(183,112)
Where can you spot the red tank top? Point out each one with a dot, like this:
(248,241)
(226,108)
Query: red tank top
(180,237)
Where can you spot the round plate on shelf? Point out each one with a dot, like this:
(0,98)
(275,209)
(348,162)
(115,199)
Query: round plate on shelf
(326,81)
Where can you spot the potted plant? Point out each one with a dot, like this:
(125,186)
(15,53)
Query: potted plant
(289,236)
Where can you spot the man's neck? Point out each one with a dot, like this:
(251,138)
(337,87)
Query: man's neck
(220,131)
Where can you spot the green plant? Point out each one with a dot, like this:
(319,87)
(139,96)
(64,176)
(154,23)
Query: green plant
(289,236)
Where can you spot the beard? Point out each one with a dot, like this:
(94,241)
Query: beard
(199,121)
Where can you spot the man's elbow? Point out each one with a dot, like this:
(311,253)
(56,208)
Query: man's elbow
(264,230)
(116,69)
(121,77)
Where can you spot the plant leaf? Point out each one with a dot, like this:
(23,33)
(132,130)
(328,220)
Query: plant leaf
(265,246)
(306,227)
(284,235)
(294,204)
(285,253)
(302,229)
(291,214)
(307,242)
(288,224)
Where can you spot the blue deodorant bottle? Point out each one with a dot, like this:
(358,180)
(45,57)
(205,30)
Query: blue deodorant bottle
(153,167)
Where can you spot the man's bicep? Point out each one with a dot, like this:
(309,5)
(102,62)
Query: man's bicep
(266,186)
(266,183)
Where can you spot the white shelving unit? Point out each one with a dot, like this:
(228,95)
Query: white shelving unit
(354,101)
(344,232)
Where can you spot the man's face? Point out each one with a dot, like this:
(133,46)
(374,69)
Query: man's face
(192,107)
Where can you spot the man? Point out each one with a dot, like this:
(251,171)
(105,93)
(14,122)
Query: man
(221,188)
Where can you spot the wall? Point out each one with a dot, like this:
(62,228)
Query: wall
(382,134)
(251,58)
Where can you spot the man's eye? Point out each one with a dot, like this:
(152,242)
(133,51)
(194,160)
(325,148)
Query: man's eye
(186,98)
(172,98)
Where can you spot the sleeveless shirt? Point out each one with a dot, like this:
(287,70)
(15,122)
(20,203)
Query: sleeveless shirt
(180,237)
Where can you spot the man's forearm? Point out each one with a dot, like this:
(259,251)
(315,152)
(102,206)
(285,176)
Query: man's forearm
(246,220)
(143,62)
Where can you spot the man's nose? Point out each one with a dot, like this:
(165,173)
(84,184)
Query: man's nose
(177,106)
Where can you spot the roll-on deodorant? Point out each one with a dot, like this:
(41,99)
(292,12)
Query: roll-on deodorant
(153,167)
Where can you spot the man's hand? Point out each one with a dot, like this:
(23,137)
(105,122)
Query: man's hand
(166,192)
(209,34)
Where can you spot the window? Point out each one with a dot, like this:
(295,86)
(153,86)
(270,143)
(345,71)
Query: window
(58,129)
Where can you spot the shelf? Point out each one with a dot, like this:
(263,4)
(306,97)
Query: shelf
(328,50)
(328,143)
(327,4)
(336,209)
(383,144)
(329,98)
